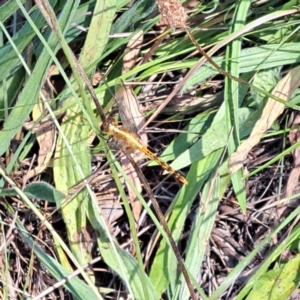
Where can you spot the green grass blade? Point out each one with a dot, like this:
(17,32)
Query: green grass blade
(199,172)
(8,54)
(50,228)
(98,34)
(232,101)
(9,8)
(29,94)
(252,59)
(128,268)
(204,223)
(77,131)
(75,285)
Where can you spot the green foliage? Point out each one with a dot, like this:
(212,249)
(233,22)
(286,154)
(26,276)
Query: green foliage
(262,43)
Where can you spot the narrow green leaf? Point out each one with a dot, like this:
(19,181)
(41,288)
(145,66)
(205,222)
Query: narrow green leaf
(232,101)
(136,13)
(9,8)
(204,223)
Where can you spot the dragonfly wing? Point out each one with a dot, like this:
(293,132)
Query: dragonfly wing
(131,117)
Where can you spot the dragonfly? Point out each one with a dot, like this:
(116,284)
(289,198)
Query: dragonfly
(128,139)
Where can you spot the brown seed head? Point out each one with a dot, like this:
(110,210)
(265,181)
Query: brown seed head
(173,12)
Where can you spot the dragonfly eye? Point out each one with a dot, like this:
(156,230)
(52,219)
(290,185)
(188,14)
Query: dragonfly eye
(105,127)
(108,125)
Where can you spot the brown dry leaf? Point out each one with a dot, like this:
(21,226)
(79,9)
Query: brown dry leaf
(132,118)
(272,110)
(294,137)
(111,210)
(45,134)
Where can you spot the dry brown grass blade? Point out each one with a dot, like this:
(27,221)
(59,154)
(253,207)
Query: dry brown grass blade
(46,135)
(272,110)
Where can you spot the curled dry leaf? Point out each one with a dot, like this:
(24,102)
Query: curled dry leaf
(284,89)
(46,135)
(132,51)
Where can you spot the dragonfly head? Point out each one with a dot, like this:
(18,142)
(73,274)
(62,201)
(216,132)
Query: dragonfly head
(108,124)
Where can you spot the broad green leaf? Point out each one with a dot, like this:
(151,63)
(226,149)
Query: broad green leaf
(278,283)
(214,138)
(119,260)
(196,127)
(44,191)
(40,190)
(98,34)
